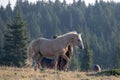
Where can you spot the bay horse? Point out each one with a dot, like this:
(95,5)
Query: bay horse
(53,48)
(62,61)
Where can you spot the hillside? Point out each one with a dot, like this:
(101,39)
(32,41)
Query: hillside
(98,23)
(12,73)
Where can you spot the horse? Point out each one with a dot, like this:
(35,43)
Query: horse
(97,68)
(62,61)
(47,48)
(49,63)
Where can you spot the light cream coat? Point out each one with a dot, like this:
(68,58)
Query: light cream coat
(53,48)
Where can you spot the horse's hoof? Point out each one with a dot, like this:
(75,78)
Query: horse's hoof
(65,68)
(42,69)
(35,69)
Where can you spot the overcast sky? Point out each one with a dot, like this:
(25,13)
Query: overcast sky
(5,2)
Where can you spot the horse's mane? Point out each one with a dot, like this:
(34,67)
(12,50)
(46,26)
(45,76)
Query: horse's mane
(72,32)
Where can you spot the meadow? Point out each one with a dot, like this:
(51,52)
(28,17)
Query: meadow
(14,73)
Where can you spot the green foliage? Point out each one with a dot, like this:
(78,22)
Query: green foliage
(110,72)
(74,63)
(99,24)
(15,43)
(87,62)
(116,57)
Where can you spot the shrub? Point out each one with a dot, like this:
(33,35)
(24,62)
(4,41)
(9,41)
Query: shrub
(111,72)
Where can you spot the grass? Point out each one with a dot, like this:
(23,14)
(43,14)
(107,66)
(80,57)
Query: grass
(13,73)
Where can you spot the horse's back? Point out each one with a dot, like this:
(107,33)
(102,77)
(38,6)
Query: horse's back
(40,40)
(36,43)
(45,42)
(42,44)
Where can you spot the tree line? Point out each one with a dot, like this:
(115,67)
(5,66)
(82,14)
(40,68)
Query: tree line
(99,24)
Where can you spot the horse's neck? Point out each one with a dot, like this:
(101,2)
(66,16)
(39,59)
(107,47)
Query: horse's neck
(64,41)
(61,42)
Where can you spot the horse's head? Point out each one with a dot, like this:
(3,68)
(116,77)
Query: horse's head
(55,36)
(78,41)
(72,37)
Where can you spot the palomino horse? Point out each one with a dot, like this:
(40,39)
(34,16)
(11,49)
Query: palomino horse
(47,48)
(49,63)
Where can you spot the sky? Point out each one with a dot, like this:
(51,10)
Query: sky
(5,2)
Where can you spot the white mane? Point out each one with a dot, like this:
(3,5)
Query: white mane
(72,32)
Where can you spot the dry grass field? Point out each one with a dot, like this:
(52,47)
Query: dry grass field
(12,73)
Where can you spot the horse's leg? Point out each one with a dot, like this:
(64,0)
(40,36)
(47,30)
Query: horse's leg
(60,63)
(34,61)
(67,61)
(39,61)
(56,62)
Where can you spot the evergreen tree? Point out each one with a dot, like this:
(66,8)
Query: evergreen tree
(8,10)
(87,62)
(0,41)
(116,57)
(15,43)
(99,23)
(75,63)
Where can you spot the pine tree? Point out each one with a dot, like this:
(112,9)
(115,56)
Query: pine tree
(116,57)
(86,63)
(75,62)
(0,41)
(15,43)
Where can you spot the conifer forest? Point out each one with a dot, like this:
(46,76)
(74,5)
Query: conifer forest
(99,24)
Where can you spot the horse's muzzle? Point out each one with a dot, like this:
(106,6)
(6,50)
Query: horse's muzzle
(81,47)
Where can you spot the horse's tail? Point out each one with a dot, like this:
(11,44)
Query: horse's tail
(30,54)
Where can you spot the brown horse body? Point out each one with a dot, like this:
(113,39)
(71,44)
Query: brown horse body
(62,62)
